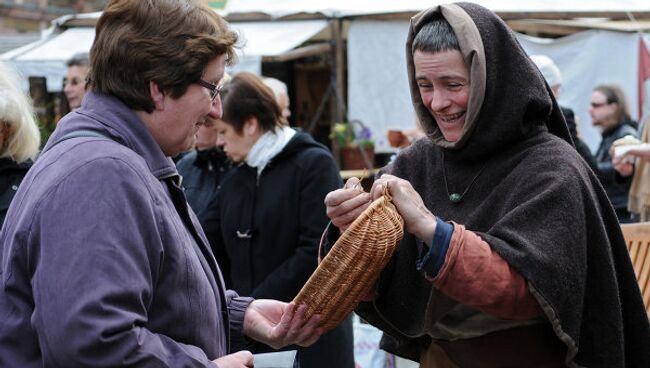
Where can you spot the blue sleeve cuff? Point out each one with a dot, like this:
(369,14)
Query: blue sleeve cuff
(431,260)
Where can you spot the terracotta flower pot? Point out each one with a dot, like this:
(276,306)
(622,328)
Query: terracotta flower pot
(396,138)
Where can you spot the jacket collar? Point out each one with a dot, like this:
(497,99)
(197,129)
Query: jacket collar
(110,116)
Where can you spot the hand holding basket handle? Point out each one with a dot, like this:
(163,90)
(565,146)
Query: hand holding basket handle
(352,266)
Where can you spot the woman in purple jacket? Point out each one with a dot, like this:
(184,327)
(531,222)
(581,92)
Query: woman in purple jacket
(103,263)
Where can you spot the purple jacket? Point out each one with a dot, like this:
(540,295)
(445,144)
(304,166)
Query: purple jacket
(99,267)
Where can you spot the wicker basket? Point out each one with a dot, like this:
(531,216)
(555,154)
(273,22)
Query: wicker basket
(352,266)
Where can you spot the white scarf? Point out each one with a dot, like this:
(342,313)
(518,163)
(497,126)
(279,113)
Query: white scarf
(267,146)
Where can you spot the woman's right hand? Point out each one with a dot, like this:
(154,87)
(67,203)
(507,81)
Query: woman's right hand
(240,359)
(623,166)
(346,204)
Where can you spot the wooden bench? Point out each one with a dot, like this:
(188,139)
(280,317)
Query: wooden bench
(637,237)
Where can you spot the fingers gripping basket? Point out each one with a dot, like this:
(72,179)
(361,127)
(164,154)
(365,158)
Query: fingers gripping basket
(352,266)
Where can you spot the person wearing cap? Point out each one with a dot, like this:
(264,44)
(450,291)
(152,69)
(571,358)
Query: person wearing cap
(553,77)
(512,255)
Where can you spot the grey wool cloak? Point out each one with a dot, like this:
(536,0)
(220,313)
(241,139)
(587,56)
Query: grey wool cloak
(536,204)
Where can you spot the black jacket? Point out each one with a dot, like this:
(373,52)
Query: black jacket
(271,227)
(617,187)
(202,173)
(11,174)
(580,145)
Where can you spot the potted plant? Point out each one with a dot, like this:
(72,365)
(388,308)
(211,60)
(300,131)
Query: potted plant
(357,148)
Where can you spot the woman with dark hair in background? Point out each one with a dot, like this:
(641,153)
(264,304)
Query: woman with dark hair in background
(271,211)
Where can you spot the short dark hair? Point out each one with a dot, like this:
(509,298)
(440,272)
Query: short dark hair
(78,59)
(168,42)
(435,36)
(247,96)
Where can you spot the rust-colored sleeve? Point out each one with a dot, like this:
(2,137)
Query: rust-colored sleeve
(475,275)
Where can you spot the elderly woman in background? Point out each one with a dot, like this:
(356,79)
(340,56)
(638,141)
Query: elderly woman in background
(74,83)
(512,254)
(271,210)
(610,113)
(19,136)
(281,93)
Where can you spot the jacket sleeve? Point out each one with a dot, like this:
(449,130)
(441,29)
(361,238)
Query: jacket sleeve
(606,172)
(319,177)
(97,252)
(237,306)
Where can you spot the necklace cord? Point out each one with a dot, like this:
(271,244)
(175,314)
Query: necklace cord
(456,197)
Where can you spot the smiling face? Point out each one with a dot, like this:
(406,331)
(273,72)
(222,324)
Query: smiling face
(175,121)
(444,85)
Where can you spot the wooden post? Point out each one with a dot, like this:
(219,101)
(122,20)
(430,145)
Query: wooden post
(337,79)
(339,113)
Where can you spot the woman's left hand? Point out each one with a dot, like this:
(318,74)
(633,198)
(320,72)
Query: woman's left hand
(418,220)
(279,324)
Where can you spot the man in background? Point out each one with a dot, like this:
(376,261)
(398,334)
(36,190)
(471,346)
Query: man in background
(281,93)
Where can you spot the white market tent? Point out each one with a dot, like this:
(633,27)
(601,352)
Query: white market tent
(506,8)
(47,57)
(377,91)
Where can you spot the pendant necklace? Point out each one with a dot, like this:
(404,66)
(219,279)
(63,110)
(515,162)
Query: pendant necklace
(457,197)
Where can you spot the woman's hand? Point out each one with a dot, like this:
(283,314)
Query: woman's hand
(623,166)
(345,205)
(418,220)
(279,324)
(642,152)
(240,359)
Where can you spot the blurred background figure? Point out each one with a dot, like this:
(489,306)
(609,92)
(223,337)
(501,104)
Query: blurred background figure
(74,83)
(633,158)
(202,170)
(610,113)
(19,136)
(271,208)
(281,93)
(553,77)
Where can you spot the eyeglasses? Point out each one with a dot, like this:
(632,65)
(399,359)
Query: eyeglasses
(214,89)
(599,104)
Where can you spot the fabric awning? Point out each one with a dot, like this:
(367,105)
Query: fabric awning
(47,57)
